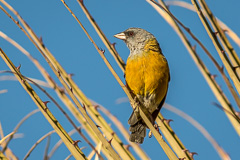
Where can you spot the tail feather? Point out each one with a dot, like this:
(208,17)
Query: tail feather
(133,119)
(138,132)
(137,129)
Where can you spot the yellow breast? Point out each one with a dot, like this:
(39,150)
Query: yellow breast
(147,74)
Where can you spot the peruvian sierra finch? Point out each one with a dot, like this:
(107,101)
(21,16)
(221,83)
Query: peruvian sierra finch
(147,76)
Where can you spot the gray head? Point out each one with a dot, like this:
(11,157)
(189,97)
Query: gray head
(134,38)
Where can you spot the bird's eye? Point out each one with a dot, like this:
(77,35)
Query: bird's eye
(130,33)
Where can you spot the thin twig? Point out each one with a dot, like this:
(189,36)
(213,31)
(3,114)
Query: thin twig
(45,157)
(38,141)
(109,46)
(57,145)
(17,127)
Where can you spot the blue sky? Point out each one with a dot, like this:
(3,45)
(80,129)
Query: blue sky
(62,35)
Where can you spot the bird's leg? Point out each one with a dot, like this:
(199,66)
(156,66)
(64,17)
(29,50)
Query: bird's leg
(156,127)
(150,132)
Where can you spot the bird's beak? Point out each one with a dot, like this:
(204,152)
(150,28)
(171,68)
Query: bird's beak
(121,36)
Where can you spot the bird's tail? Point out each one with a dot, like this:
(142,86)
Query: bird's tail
(137,129)
(137,125)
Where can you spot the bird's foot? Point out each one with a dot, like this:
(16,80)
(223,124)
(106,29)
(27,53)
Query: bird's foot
(150,132)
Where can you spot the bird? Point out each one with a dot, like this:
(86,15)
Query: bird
(147,77)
